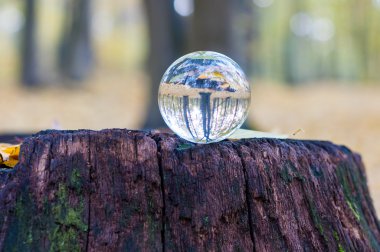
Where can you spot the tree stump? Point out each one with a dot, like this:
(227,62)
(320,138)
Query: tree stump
(121,190)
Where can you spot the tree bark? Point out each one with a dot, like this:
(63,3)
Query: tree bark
(30,75)
(13,138)
(116,190)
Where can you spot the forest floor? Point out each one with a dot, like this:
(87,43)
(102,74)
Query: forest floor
(344,114)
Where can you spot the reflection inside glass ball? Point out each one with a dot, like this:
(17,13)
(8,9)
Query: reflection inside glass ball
(204,97)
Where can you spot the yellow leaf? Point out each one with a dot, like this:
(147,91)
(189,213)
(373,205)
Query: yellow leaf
(217,74)
(9,154)
(202,76)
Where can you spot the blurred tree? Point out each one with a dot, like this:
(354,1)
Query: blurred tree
(76,57)
(167,32)
(223,26)
(374,41)
(29,55)
(360,30)
(297,49)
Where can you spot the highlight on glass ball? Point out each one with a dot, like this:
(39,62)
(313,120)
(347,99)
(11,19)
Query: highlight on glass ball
(204,97)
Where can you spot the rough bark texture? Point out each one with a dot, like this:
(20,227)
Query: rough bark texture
(13,138)
(120,190)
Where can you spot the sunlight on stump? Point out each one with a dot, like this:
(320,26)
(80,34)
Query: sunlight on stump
(121,190)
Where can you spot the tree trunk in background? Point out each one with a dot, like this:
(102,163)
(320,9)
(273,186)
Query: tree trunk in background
(76,57)
(224,26)
(30,75)
(254,62)
(166,43)
(211,26)
(122,190)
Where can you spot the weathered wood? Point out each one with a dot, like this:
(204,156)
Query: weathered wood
(120,190)
(13,138)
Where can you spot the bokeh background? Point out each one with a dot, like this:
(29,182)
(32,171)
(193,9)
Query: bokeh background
(314,65)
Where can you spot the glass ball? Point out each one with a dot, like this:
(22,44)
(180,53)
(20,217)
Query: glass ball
(204,97)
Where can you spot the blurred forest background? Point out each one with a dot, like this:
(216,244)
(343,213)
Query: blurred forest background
(97,64)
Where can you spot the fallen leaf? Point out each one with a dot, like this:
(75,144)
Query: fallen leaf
(9,154)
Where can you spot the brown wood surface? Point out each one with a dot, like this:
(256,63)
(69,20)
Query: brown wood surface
(121,190)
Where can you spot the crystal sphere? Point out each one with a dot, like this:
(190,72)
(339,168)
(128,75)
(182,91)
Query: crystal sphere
(204,97)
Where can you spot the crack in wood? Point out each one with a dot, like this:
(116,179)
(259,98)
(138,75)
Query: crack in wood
(162,187)
(248,196)
(90,167)
(161,172)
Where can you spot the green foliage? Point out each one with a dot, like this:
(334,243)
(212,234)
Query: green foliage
(335,234)
(57,228)
(19,236)
(350,54)
(75,179)
(69,223)
(340,248)
(351,180)
(336,237)
(353,208)
(184,146)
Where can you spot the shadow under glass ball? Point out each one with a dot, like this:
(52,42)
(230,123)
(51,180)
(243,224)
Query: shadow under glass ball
(204,97)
